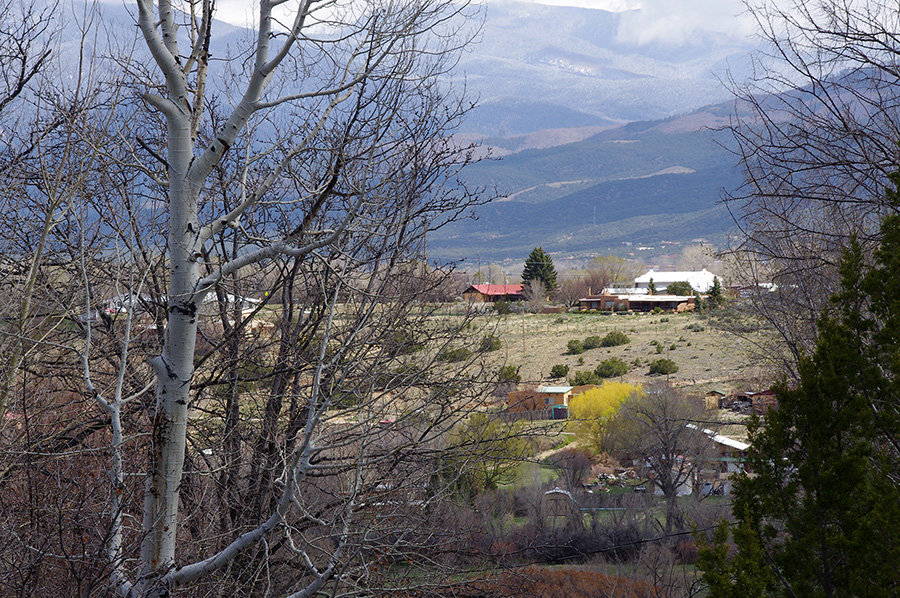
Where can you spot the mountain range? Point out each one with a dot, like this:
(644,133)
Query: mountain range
(544,67)
(642,189)
(598,144)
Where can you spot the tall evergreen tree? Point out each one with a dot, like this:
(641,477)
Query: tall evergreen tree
(539,266)
(821,514)
(715,297)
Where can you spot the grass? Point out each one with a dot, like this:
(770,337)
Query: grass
(704,357)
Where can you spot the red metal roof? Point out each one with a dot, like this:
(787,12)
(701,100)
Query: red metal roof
(495,290)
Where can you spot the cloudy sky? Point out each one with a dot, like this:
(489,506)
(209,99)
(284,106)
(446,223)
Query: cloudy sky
(670,21)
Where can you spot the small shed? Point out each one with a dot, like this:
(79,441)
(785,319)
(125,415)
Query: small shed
(713,399)
(559,509)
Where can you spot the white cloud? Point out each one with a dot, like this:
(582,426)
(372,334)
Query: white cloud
(681,21)
(668,21)
(610,5)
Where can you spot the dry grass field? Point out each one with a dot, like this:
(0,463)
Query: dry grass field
(707,358)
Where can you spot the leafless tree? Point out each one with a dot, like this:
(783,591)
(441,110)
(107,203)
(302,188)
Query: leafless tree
(25,39)
(247,244)
(816,134)
(535,296)
(652,430)
(611,270)
(572,287)
(574,466)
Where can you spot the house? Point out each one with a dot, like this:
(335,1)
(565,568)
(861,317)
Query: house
(642,303)
(553,398)
(762,401)
(645,303)
(726,457)
(489,293)
(604,302)
(701,281)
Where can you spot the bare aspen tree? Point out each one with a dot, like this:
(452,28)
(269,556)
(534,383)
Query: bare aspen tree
(241,245)
(319,171)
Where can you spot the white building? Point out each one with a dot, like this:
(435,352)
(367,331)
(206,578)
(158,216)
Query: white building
(701,281)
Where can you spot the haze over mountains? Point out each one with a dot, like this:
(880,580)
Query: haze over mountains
(605,145)
(541,67)
(602,139)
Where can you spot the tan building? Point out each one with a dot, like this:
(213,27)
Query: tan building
(555,399)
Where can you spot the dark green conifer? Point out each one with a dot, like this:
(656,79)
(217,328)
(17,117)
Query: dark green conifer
(820,515)
(539,266)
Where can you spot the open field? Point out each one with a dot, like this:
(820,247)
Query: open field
(707,358)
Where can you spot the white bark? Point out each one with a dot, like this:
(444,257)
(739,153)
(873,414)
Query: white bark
(382,40)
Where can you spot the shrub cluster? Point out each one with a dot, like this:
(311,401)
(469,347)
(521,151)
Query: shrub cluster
(611,368)
(451,354)
(559,371)
(585,377)
(509,373)
(663,366)
(614,339)
(502,307)
(575,347)
(490,343)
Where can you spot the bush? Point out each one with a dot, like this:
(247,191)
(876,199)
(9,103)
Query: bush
(614,339)
(490,343)
(663,366)
(591,342)
(694,327)
(452,354)
(611,368)
(585,377)
(401,343)
(559,371)
(509,373)
(502,307)
(575,347)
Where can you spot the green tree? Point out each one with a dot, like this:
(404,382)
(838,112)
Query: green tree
(716,296)
(663,366)
(822,505)
(559,370)
(483,453)
(539,266)
(651,287)
(682,287)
